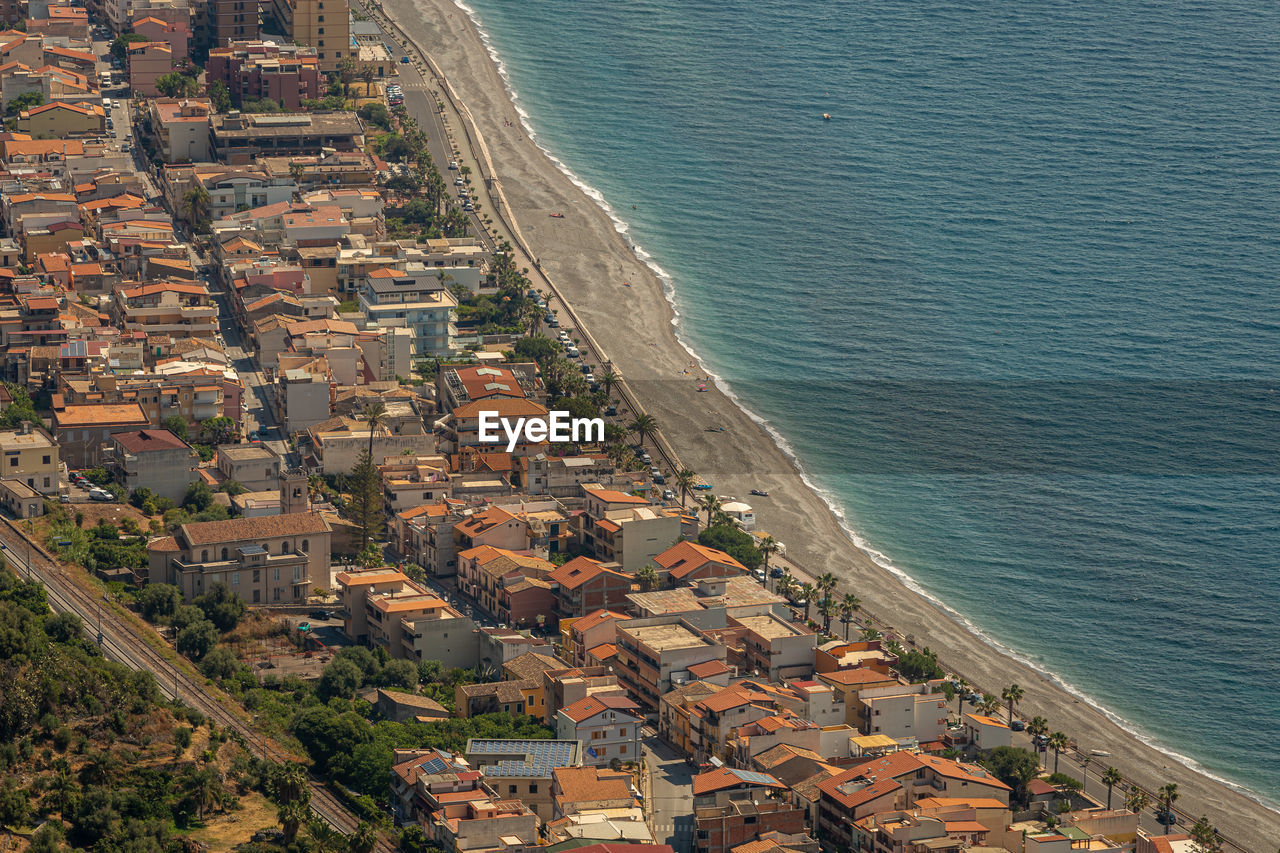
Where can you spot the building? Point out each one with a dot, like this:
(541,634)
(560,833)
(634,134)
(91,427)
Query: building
(31,457)
(687,562)
(19,499)
(285,73)
(583,585)
(592,803)
(732,807)
(271,560)
(354,591)
(181,129)
(399,706)
(651,654)
(61,120)
(157,459)
(254,466)
(985,732)
(83,432)
(522,769)
(422,303)
(776,648)
(233,20)
(148,62)
(626,529)
(328,30)
(905,712)
(240,139)
(606,727)
(167,307)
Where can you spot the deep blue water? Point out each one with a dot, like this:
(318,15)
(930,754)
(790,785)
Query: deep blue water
(1012,305)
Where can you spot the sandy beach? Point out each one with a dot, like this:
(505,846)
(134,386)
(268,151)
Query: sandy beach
(591,263)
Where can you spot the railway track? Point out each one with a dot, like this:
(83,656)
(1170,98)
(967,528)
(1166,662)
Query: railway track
(122,643)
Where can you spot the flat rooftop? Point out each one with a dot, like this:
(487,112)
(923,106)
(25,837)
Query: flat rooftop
(666,638)
(516,758)
(770,627)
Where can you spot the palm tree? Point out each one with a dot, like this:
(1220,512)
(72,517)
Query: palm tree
(1168,795)
(324,837)
(292,815)
(826,583)
(768,545)
(711,504)
(647,577)
(684,480)
(1111,777)
(1013,695)
(367,75)
(643,426)
(375,415)
(1135,800)
(608,379)
(828,608)
(989,705)
(848,606)
(363,840)
(807,590)
(961,692)
(1057,742)
(1085,761)
(195,206)
(206,790)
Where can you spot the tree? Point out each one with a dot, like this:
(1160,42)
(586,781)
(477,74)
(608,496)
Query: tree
(347,71)
(205,790)
(22,102)
(1014,766)
(177,425)
(848,605)
(198,497)
(196,207)
(120,46)
(363,840)
(222,607)
(375,113)
(219,663)
(1135,800)
(711,504)
(175,85)
(826,584)
(341,678)
(1013,695)
(643,426)
(219,430)
(158,600)
(647,577)
(1057,742)
(806,593)
(400,673)
(375,415)
(371,557)
(1168,794)
(1111,777)
(1204,837)
(989,704)
(684,480)
(365,509)
(197,639)
(220,96)
(608,379)
(827,608)
(734,541)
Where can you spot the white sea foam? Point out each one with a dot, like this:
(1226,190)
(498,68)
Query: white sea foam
(832,501)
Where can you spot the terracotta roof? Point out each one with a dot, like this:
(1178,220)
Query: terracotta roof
(726,777)
(243,529)
(578,571)
(163,543)
(683,558)
(604,651)
(149,439)
(851,677)
(708,669)
(850,789)
(102,414)
(614,496)
(533,664)
(586,708)
(596,618)
(584,784)
(502,407)
(966,772)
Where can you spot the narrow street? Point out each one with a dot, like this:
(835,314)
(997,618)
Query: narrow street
(669,790)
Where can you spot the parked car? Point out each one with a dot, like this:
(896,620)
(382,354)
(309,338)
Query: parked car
(668,495)
(660,480)
(775,572)
(101,495)
(404,60)
(1018,726)
(321,615)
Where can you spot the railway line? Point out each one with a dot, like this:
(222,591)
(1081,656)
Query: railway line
(122,643)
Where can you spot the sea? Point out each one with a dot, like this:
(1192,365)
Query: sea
(1012,306)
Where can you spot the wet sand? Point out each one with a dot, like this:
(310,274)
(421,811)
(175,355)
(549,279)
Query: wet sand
(590,263)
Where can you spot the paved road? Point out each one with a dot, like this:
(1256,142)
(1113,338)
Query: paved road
(669,789)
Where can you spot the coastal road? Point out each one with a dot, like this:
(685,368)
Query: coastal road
(122,642)
(670,795)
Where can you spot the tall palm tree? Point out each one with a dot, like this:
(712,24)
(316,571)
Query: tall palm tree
(1111,777)
(1168,795)
(961,692)
(684,479)
(608,379)
(292,815)
(375,415)
(807,590)
(711,504)
(1085,761)
(828,608)
(785,585)
(206,790)
(989,705)
(1013,695)
(195,206)
(826,584)
(324,837)
(1135,800)
(767,547)
(643,426)
(1057,742)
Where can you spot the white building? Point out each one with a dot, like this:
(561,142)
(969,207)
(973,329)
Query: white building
(606,726)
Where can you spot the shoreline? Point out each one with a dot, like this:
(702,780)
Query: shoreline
(589,253)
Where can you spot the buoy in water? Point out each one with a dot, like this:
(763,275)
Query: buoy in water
(826,116)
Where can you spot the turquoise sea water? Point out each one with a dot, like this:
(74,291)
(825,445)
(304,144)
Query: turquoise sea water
(1012,306)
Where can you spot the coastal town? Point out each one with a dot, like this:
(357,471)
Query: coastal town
(272,581)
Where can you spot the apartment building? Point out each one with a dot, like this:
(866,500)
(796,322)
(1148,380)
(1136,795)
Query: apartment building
(606,725)
(522,769)
(421,303)
(266,561)
(583,585)
(626,529)
(83,431)
(167,307)
(650,656)
(157,459)
(31,457)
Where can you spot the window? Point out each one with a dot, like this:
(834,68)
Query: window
(306,546)
(533,788)
(601,750)
(276,596)
(597,735)
(511,789)
(749,819)
(46,460)
(224,553)
(624,749)
(257,596)
(277,576)
(235,579)
(257,577)
(204,556)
